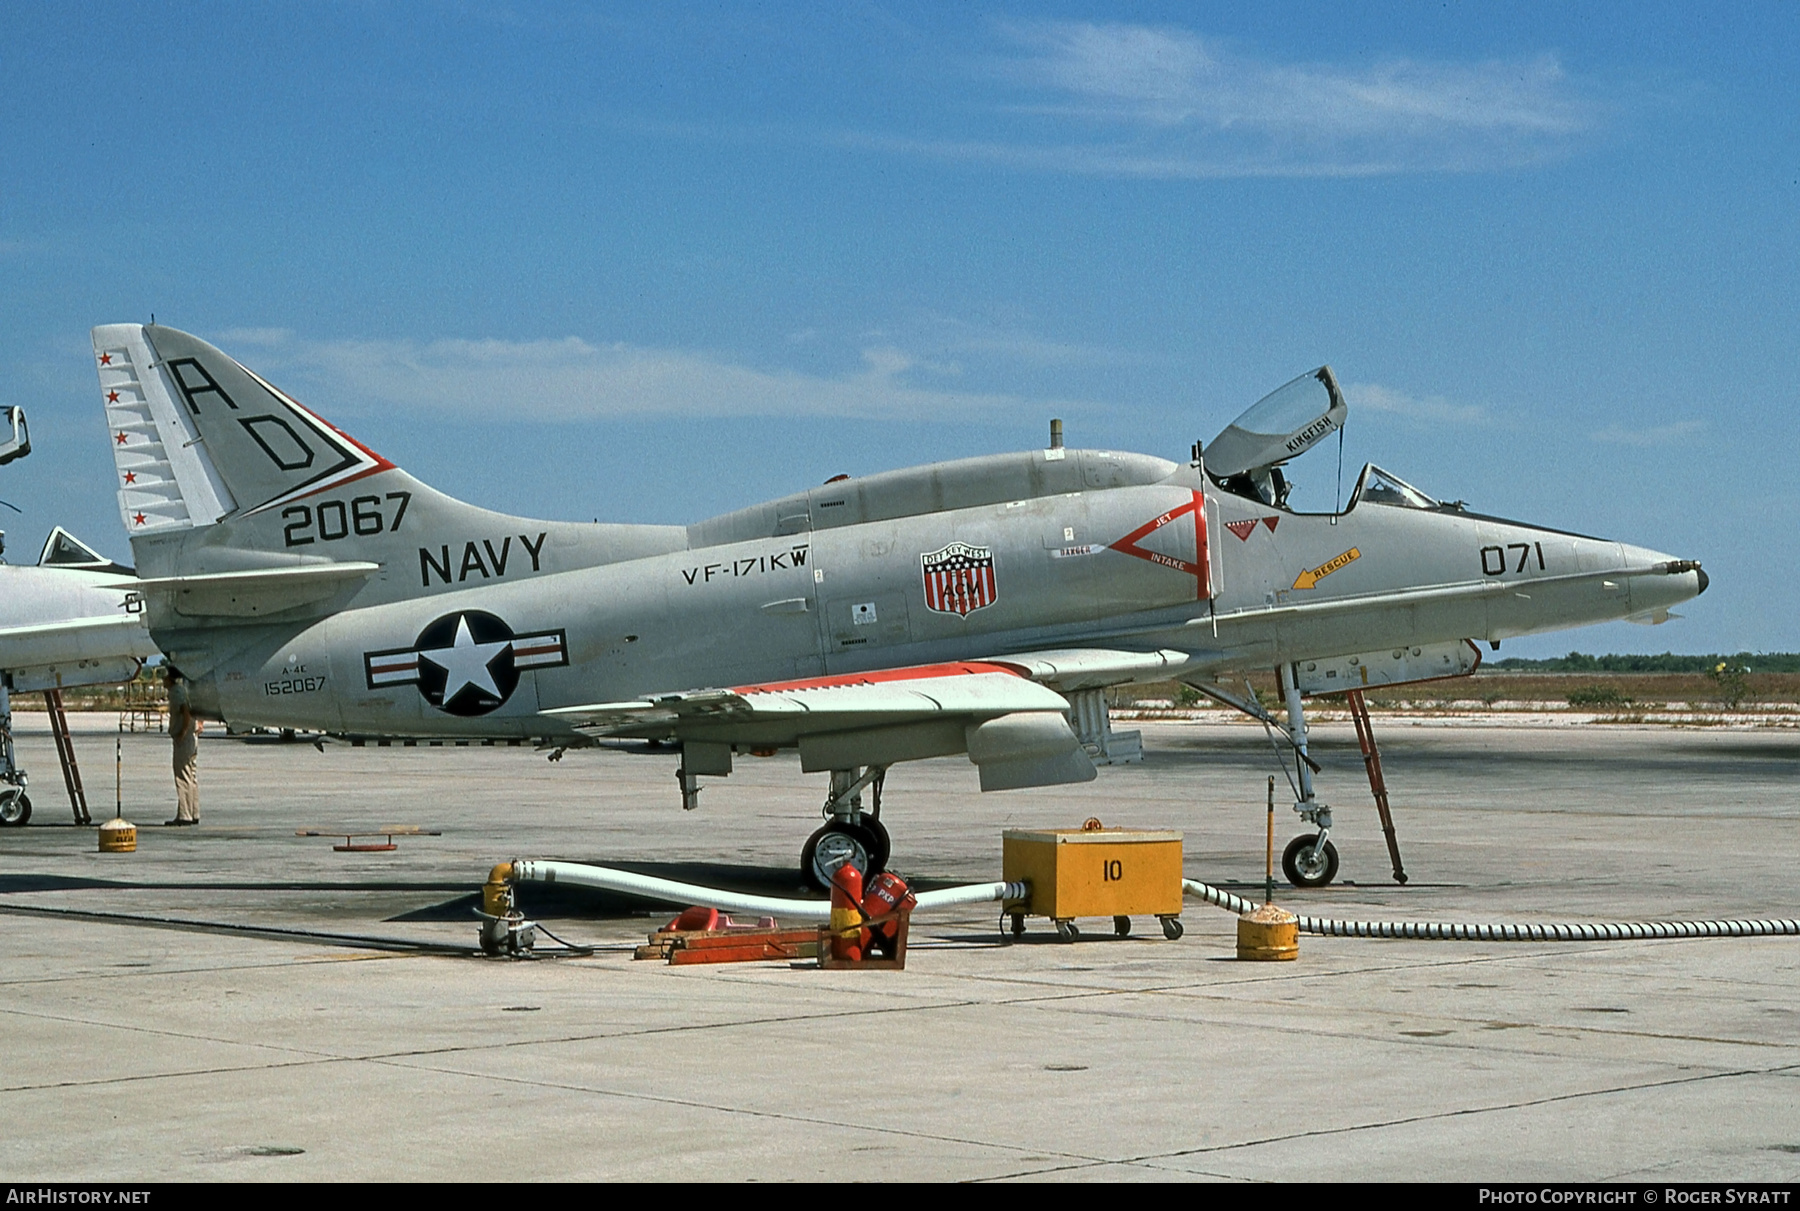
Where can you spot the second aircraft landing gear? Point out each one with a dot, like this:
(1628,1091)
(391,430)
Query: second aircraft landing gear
(15,804)
(850,835)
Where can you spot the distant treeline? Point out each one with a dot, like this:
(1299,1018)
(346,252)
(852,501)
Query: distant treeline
(1668,662)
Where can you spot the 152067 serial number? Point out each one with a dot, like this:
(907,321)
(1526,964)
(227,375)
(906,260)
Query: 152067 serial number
(294,685)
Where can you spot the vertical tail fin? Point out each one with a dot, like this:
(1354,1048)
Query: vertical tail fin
(201,437)
(202,443)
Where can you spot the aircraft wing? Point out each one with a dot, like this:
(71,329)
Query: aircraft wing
(1013,729)
(86,651)
(1072,669)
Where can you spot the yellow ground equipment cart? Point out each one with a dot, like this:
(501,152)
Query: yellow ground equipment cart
(1095,872)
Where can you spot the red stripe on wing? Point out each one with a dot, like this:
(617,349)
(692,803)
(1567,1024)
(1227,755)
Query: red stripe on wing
(918,672)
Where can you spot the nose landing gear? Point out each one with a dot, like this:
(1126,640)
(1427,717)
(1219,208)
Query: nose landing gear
(1310,860)
(1308,863)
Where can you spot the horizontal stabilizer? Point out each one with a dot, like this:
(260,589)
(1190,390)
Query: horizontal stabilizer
(255,593)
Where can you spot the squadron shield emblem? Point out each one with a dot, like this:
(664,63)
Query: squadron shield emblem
(959,579)
(467,663)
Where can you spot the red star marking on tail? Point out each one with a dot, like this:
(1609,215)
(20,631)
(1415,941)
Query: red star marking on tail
(106,359)
(120,437)
(138,518)
(131,477)
(112,397)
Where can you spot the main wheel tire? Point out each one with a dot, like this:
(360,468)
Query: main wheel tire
(834,845)
(15,808)
(884,845)
(1303,867)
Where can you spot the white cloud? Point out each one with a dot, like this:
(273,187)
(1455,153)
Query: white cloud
(1161,101)
(1655,435)
(570,378)
(1376,398)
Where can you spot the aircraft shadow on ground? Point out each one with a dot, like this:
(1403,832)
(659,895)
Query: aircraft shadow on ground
(30,883)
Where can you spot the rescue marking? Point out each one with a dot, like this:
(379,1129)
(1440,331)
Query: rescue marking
(1243,529)
(1313,576)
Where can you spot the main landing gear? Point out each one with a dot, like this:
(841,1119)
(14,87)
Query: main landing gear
(850,835)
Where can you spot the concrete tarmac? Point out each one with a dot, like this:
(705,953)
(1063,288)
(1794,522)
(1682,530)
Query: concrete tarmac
(137,1051)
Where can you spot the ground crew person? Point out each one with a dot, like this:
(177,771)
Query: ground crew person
(184,730)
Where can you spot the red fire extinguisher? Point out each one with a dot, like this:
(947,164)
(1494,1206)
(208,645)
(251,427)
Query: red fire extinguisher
(886,894)
(847,941)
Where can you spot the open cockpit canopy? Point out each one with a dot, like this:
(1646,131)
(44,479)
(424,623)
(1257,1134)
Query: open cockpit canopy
(1283,424)
(1246,458)
(63,550)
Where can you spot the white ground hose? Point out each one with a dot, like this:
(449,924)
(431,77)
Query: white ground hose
(1453,931)
(669,891)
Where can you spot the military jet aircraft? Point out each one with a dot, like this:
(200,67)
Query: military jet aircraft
(74,619)
(981,606)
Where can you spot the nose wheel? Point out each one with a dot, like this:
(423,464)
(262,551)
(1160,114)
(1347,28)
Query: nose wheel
(1308,864)
(15,806)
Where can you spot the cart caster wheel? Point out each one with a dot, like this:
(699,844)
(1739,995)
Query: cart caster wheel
(1018,924)
(1171,928)
(1066,931)
(1122,927)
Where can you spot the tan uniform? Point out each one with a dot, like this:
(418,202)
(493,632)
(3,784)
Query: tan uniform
(184,729)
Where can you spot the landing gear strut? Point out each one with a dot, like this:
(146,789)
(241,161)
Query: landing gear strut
(15,804)
(850,835)
(1310,860)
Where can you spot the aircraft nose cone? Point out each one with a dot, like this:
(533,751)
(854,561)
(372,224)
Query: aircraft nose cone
(1704,579)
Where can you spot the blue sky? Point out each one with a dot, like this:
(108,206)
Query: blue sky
(656,262)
